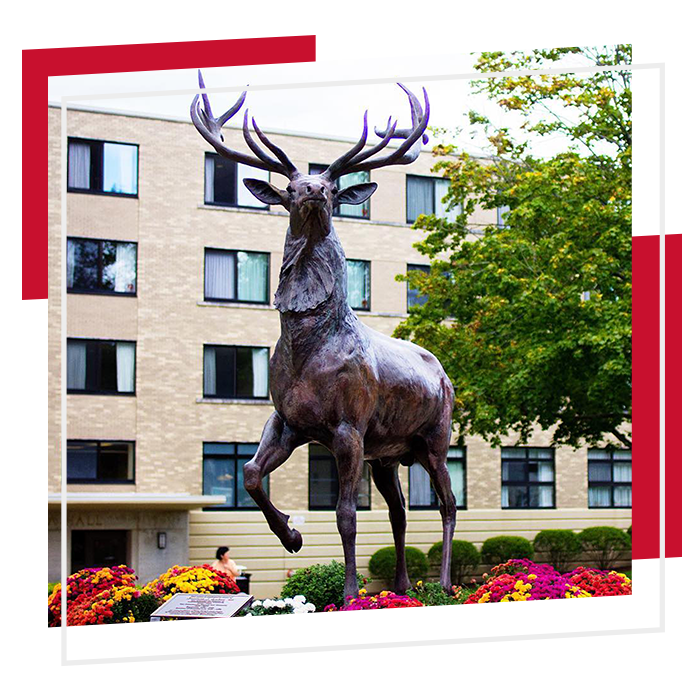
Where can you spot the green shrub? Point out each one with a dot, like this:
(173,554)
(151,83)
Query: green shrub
(629,531)
(605,544)
(498,550)
(382,564)
(560,547)
(465,558)
(321,584)
(431,593)
(52,585)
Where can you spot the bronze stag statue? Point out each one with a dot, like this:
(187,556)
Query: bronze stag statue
(334,380)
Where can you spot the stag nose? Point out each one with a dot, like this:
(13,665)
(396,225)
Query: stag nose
(315,189)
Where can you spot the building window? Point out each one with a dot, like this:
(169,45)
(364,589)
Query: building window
(500,215)
(413,296)
(421,494)
(223,182)
(101,366)
(100,461)
(98,549)
(424,195)
(324,484)
(222,474)
(100,267)
(527,477)
(609,478)
(103,167)
(236,275)
(234,372)
(359,276)
(353,211)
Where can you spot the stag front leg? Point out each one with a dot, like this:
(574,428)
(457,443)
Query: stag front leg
(278,441)
(348,449)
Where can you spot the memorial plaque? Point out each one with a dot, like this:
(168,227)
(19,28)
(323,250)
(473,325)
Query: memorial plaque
(191,606)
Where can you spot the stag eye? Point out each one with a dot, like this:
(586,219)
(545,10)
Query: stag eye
(334,190)
(289,189)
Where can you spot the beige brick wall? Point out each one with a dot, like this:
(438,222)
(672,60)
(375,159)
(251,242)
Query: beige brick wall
(170,323)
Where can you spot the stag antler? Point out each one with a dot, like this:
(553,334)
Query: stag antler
(209,127)
(356,159)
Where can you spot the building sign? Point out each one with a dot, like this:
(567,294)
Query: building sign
(202,605)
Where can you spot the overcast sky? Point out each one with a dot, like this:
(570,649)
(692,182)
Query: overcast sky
(324,110)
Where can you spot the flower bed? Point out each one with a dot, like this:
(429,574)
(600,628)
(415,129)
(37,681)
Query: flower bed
(521,579)
(386,599)
(113,605)
(85,584)
(190,579)
(280,606)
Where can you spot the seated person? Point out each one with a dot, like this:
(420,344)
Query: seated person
(224,563)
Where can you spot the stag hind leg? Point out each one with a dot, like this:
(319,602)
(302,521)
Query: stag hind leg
(386,479)
(277,443)
(433,457)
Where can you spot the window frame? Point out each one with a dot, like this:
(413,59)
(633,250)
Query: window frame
(411,267)
(94,143)
(102,392)
(329,509)
(336,209)
(100,267)
(369,295)
(235,457)
(235,300)
(610,484)
(528,483)
(432,190)
(235,204)
(235,366)
(99,442)
(463,459)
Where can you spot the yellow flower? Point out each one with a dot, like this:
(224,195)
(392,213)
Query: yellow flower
(420,583)
(362,591)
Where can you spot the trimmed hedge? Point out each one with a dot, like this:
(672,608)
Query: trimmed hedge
(559,547)
(605,544)
(497,550)
(321,584)
(382,564)
(465,558)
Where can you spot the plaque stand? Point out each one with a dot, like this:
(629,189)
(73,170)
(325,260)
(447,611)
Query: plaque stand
(198,606)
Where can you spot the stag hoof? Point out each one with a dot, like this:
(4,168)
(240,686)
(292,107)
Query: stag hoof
(293,541)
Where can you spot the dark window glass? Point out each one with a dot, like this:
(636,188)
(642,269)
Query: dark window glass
(233,372)
(236,275)
(98,548)
(609,478)
(354,211)
(99,266)
(527,477)
(223,182)
(421,494)
(102,167)
(101,366)
(359,283)
(100,461)
(222,474)
(323,481)
(413,296)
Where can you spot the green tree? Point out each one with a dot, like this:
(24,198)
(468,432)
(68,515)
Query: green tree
(531,318)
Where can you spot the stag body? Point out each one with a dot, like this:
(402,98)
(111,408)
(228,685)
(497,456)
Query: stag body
(334,380)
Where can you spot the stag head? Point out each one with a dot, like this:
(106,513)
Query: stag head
(312,198)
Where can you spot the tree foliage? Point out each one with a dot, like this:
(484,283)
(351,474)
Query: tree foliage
(532,318)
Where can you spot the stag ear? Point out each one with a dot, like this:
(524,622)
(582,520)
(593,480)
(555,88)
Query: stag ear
(356,194)
(267,193)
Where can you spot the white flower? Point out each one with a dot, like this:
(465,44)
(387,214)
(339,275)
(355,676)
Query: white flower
(299,599)
(310,607)
(280,604)
(267,603)
(256,604)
